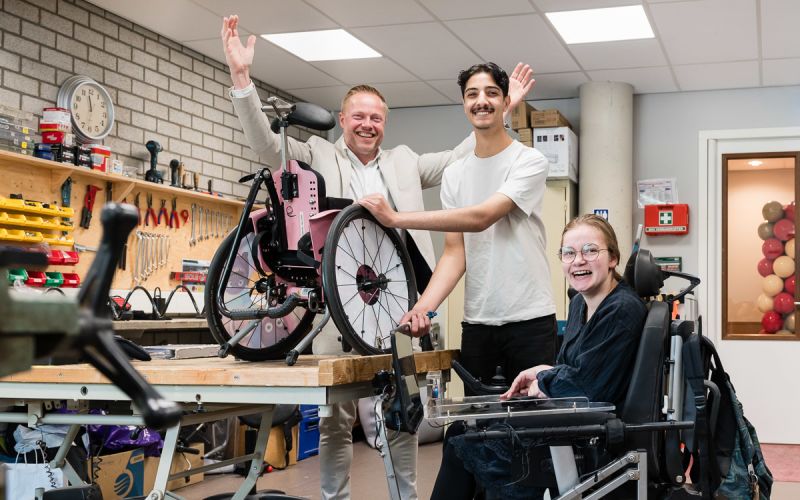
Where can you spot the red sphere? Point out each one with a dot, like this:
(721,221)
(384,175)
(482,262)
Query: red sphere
(765,267)
(788,285)
(783,303)
(771,322)
(789,211)
(772,248)
(784,229)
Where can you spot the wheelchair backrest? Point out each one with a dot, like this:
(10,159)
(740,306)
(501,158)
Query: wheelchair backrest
(646,390)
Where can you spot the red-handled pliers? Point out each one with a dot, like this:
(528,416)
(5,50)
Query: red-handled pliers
(150,214)
(174,222)
(162,212)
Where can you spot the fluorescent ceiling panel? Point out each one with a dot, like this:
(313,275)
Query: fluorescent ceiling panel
(326,45)
(602,25)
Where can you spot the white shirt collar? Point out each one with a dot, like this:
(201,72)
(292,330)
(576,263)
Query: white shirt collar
(355,161)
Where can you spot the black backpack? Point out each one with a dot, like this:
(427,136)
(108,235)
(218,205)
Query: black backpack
(728,463)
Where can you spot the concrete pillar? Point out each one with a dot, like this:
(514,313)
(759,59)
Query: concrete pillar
(606,156)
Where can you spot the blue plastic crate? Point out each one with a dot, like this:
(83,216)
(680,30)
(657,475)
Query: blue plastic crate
(309,411)
(308,437)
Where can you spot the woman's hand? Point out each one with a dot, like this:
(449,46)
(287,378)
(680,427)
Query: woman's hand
(238,56)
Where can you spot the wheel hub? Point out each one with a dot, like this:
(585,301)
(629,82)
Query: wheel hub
(370,284)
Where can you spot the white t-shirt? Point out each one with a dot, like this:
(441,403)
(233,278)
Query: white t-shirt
(507,276)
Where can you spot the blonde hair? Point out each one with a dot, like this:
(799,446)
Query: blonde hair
(605,229)
(365,89)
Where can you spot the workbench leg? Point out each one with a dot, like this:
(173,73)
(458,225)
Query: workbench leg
(164,464)
(60,460)
(257,464)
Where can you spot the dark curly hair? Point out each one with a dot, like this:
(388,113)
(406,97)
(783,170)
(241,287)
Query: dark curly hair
(498,75)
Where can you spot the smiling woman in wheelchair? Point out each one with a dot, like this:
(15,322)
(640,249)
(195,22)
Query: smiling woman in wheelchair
(601,339)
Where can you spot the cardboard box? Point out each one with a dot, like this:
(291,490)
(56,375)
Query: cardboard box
(520,116)
(560,146)
(180,463)
(120,475)
(525,136)
(276,446)
(130,474)
(548,118)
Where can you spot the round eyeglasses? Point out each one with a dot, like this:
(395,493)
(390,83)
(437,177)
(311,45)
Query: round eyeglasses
(590,252)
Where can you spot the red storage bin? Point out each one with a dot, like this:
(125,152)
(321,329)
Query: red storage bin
(36,278)
(71,280)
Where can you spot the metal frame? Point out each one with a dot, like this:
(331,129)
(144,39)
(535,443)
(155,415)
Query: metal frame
(218,402)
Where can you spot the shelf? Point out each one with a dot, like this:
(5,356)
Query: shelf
(20,220)
(123,186)
(33,207)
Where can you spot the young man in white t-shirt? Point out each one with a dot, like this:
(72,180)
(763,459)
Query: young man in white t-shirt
(492,203)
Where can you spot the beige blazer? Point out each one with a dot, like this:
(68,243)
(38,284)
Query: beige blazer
(406,173)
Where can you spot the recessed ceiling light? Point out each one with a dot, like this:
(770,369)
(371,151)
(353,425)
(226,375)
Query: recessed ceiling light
(326,45)
(755,163)
(602,25)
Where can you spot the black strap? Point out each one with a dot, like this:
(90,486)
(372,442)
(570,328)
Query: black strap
(693,371)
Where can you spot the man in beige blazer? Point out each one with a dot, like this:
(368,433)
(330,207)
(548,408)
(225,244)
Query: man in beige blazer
(354,166)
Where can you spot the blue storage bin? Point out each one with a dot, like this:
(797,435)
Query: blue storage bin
(309,411)
(308,437)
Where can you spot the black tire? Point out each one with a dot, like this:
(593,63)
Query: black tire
(273,338)
(359,248)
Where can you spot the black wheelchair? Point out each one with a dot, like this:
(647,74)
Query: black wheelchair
(586,449)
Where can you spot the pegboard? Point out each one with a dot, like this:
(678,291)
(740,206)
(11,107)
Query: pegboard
(41,180)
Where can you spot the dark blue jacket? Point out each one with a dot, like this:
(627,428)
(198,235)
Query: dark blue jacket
(596,358)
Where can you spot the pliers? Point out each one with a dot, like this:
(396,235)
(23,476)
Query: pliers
(174,222)
(150,214)
(162,212)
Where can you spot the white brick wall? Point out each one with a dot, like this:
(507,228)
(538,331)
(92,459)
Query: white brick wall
(161,90)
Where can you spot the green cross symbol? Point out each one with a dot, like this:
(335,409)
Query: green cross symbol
(665,218)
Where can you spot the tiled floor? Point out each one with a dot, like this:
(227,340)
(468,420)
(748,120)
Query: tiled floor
(368,478)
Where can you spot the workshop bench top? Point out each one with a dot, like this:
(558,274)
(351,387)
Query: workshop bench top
(310,371)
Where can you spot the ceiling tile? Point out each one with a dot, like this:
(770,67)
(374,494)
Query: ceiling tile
(644,80)
(411,94)
(327,97)
(526,38)
(779,20)
(623,54)
(272,65)
(717,76)
(350,13)
(355,71)
(559,5)
(431,52)
(449,88)
(268,16)
(781,72)
(171,19)
(465,9)
(708,31)
(557,85)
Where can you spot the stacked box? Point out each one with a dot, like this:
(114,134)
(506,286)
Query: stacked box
(560,146)
(548,118)
(526,136)
(520,116)
(16,134)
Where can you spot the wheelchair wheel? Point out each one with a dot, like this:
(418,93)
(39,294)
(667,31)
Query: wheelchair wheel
(272,338)
(367,279)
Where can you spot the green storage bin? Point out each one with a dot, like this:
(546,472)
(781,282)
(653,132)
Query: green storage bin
(54,279)
(17,274)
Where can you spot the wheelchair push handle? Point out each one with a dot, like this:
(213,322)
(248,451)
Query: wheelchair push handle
(96,339)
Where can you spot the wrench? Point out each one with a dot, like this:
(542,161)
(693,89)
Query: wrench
(193,240)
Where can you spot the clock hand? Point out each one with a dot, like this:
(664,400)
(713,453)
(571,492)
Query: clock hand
(90,104)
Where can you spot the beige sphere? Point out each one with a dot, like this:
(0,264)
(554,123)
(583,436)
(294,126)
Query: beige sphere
(764,303)
(772,285)
(783,266)
(788,249)
(788,322)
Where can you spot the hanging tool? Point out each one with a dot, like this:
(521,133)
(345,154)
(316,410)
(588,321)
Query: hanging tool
(150,213)
(173,216)
(162,212)
(66,192)
(84,248)
(138,210)
(185,215)
(193,239)
(109,192)
(88,205)
(123,258)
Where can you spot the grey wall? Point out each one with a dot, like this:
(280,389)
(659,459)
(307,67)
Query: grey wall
(161,90)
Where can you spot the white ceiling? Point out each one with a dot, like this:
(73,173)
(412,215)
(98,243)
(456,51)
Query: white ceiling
(699,44)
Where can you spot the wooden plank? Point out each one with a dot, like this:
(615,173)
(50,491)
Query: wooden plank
(144,325)
(310,371)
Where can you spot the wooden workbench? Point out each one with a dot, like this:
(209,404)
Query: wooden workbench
(222,388)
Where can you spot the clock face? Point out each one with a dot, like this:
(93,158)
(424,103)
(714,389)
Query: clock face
(90,106)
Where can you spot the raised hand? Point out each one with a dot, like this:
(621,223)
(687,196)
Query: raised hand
(238,56)
(520,83)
